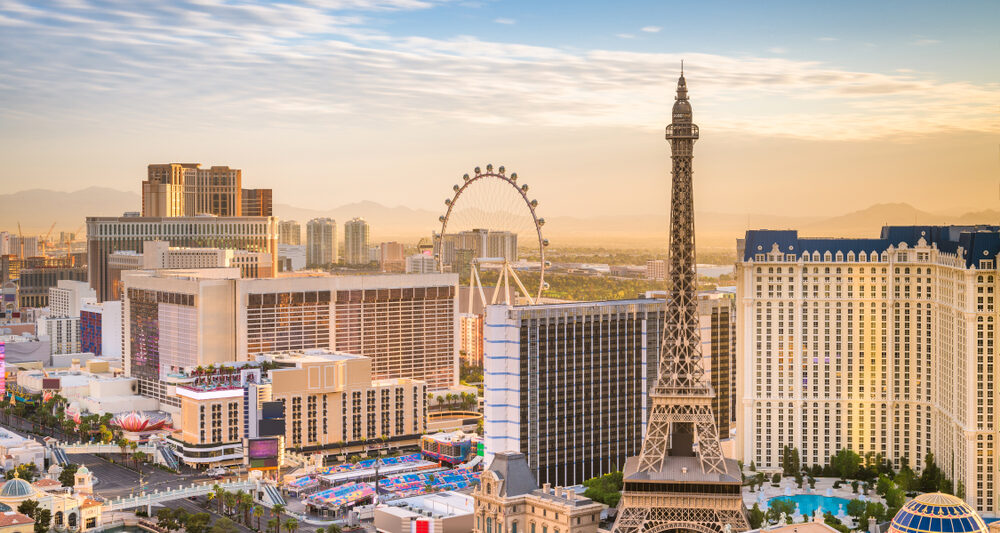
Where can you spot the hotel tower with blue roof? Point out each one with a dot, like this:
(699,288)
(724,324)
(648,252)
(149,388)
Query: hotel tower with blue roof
(884,345)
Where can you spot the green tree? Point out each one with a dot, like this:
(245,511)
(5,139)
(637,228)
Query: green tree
(218,493)
(835,523)
(790,461)
(258,511)
(245,502)
(272,525)
(905,479)
(780,506)
(277,509)
(756,517)
(224,525)
(43,519)
(197,523)
(28,507)
(960,491)
(931,478)
(334,528)
(606,489)
(25,472)
(854,486)
(291,525)
(230,500)
(883,485)
(856,508)
(776,478)
(846,463)
(166,519)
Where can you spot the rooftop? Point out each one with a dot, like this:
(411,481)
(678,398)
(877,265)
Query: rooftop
(316,355)
(11,518)
(682,470)
(976,242)
(438,504)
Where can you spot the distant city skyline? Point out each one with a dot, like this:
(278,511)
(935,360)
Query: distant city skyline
(806,109)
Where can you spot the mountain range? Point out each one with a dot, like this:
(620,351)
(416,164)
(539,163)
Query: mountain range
(38,209)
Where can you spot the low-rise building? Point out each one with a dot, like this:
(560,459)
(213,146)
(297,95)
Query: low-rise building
(439,512)
(15,522)
(63,333)
(508,499)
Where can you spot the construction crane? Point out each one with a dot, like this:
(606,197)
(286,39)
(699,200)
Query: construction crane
(20,241)
(69,240)
(45,240)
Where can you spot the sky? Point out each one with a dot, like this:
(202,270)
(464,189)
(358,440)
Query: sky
(805,108)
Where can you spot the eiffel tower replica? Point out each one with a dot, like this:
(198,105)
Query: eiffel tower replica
(672,486)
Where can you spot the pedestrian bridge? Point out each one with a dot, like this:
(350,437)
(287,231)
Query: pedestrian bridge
(147,499)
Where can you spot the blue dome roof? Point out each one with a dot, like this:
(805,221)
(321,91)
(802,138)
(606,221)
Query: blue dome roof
(937,513)
(16,488)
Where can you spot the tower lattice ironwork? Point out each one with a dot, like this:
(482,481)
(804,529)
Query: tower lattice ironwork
(672,486)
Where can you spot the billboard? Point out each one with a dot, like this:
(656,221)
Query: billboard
(262,449)
(271,428)
(264,463)
(3,368)
(50,384)
(422,525)
(272,410)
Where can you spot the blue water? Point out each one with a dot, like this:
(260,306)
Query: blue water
(807,503)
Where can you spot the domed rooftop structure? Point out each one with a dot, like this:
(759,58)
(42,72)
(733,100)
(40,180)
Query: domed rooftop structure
(937,513)
(83,470)
(16,488)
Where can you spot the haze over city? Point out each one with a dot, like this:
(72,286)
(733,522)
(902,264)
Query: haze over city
(814,110)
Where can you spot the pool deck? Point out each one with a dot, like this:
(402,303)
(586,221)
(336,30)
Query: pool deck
(822,484)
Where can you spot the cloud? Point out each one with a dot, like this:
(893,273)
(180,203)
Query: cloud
(625,35)
(777,50)
(651,29)
(285,65)
(827,39)
(925,42)
(504,21)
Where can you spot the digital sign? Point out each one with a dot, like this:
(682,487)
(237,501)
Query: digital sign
(50,383)
(264,463)
(262,449)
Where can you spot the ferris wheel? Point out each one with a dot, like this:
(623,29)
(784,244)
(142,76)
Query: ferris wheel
(487,221)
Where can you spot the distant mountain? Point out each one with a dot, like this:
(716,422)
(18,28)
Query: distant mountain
(37,209)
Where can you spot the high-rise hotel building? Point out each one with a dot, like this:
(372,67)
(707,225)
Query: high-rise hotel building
(566,384)
(880,345)
(106,235)
(356,238)
(176,320)
(321,242)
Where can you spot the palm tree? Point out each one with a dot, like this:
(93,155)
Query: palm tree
(277,509)
(291,525)
(218,493)
(258,512)
(246,503)
(231,502)
(272,525)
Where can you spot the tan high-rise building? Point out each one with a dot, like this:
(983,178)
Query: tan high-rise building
(106,235)
(289,232)
(186,189)
(356,242)
(256,203)
(321,242)
(471,347)
(332,398)
(883,346)
(391,257)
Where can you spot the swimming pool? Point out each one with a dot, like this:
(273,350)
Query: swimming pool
(807,503)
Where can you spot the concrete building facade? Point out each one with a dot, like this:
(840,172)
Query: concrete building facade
(356,237)
(289,232)
(882,346)
(106,235)
(321,242)
(567,384)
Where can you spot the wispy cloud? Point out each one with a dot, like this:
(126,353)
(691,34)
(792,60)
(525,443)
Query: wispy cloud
(777,50)
(827,39)
(504,21)
(651,29)
(625,35)
(293,65)
(925,42)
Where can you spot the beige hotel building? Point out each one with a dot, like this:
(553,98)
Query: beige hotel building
(883,346)
(177,320)
(330,403)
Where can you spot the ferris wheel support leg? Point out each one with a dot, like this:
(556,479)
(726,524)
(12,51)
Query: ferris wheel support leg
(531,301)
